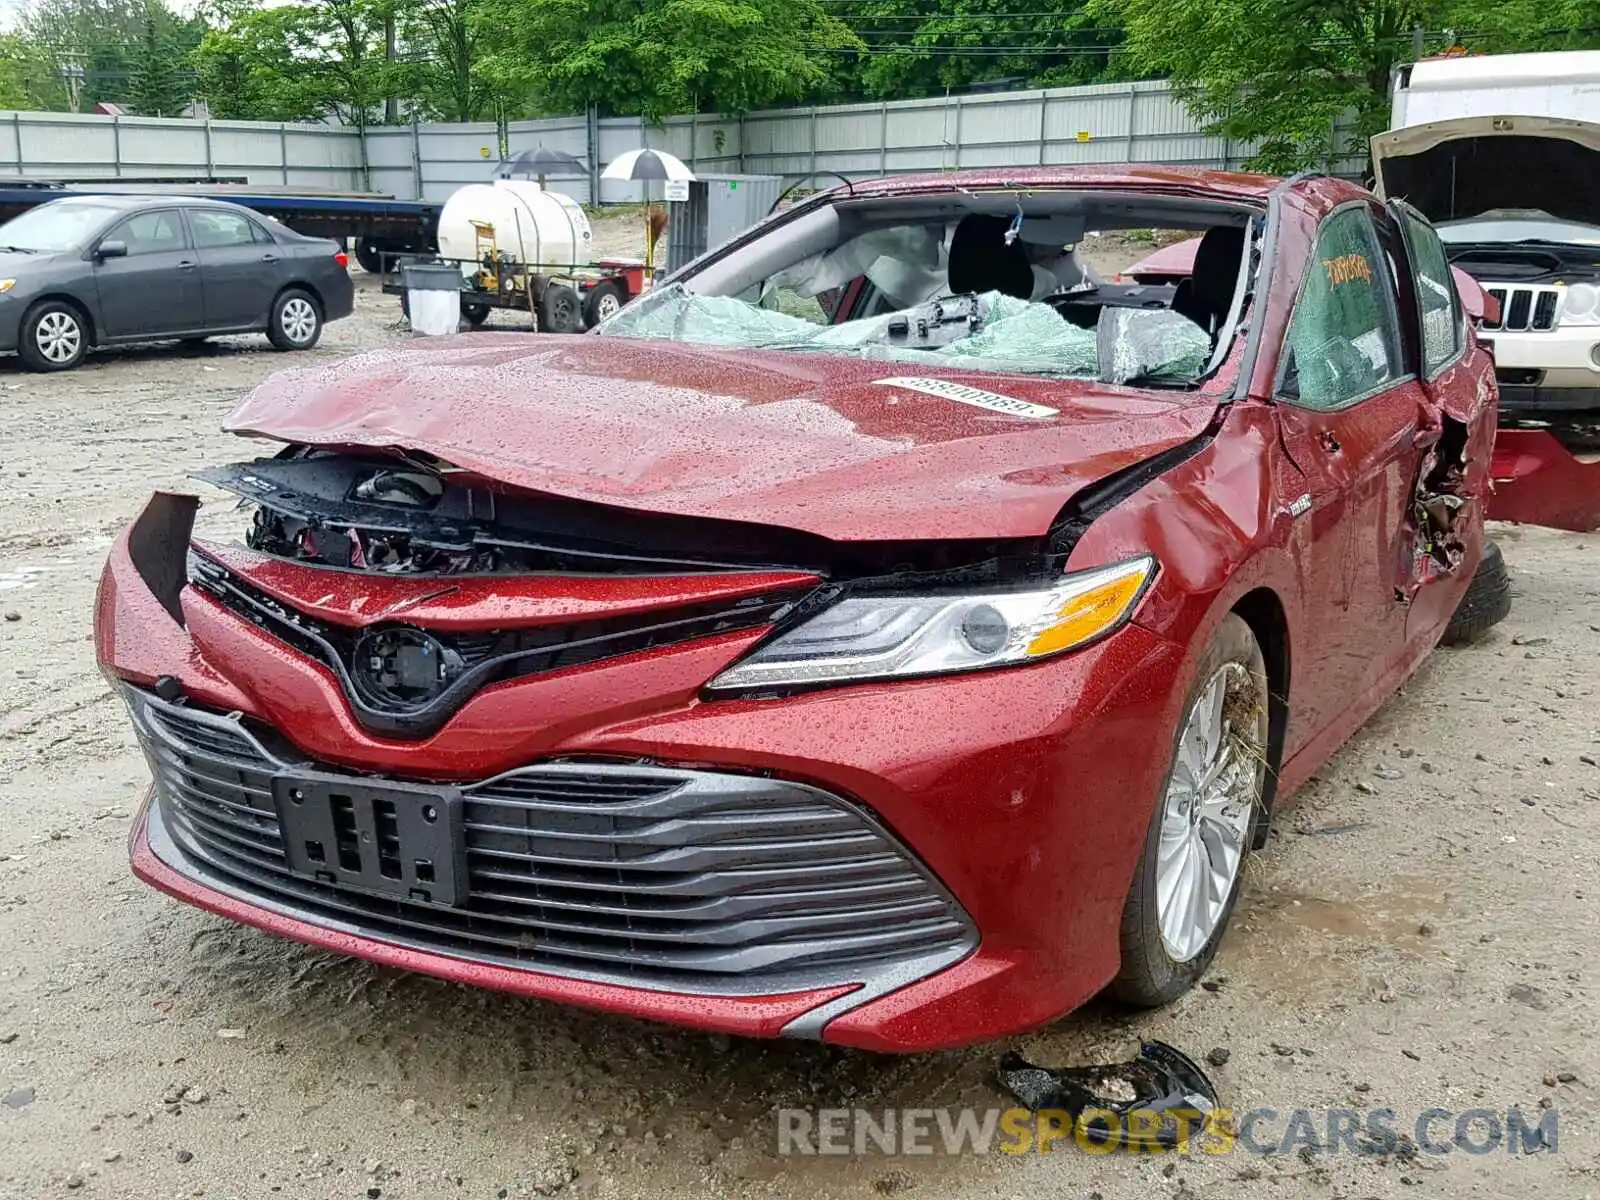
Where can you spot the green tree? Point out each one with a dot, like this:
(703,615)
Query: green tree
(658,57)
(160,86)
(441,49)
(28,81)
(300,61)
(95,49)
(1509,26)
(1308,80)
(923,47)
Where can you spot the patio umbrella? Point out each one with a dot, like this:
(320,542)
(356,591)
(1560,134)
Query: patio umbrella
(646,164)
(643,166)
(541,162)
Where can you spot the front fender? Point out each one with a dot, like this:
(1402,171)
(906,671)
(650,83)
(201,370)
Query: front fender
(1216,527)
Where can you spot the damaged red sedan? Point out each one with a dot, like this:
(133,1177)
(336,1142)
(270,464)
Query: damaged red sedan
(885,631)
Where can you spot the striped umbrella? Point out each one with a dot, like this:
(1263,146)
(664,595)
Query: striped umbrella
(645,165)
(639,165)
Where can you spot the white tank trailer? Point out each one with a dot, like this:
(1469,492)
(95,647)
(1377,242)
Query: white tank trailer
(520,246)
(533,227)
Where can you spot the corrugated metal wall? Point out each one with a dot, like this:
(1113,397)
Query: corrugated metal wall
(1103,123)
(81,146)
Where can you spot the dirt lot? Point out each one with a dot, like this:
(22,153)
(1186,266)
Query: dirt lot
(1415,936)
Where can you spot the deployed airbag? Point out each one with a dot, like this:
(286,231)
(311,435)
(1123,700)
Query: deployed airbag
(1006,335)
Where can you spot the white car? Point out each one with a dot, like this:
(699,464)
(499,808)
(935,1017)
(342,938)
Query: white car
(1515,201)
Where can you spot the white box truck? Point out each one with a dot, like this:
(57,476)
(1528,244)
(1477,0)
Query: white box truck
(1502,154)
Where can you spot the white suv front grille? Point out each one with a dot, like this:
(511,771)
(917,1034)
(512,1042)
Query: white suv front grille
(1525,308)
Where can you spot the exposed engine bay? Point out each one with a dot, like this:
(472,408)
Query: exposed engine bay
(415,515)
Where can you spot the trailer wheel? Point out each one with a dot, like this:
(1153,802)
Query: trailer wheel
(604,301)
(475,314)
(369,257)
(560,310)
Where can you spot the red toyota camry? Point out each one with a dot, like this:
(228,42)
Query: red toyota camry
(884,631)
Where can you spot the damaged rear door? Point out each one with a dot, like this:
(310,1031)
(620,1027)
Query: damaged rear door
(1456,436)
(1349,409)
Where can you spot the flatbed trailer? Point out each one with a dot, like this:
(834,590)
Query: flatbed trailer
(373,223)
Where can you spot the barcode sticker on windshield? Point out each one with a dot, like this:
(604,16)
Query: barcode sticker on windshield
(977,397)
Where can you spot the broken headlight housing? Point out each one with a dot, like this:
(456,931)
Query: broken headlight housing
(901,636)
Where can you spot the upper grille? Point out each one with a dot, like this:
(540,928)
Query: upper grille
(1525,308)
(478,659)
(641,875)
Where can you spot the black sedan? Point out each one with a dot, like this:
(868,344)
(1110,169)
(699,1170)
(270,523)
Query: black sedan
(106,270)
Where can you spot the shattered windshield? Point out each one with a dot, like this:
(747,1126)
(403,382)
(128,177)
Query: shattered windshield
(991,282)
(988,332)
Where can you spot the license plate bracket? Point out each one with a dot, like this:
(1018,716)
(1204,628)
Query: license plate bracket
(399,840)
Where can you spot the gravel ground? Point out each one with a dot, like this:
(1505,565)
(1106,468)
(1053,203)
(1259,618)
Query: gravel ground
(1415,935)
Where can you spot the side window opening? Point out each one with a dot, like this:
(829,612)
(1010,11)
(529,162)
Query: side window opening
(1443,322)
(150,232)
(1344,339)
(215,230)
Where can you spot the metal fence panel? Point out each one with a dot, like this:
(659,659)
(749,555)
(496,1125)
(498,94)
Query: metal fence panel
(1101,123)
(322,157)
(247,148)
(88,146)
(391,161)
(451,155)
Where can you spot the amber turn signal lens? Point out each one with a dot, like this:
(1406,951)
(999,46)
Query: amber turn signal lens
(1101,605)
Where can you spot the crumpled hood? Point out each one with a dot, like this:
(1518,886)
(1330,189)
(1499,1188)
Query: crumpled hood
(812,442)
(1451,170)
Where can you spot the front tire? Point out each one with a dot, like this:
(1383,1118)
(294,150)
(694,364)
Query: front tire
(55,337)
(296,322)
(1205,819)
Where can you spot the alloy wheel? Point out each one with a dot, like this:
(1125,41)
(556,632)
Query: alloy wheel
(1207,813)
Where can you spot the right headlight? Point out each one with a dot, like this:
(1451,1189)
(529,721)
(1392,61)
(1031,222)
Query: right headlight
(889,637)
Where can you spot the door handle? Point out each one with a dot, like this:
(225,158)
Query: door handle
(1329,442)
(186,265)
(269,258)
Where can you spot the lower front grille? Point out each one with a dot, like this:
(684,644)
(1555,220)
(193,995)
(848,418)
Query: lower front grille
(647,876)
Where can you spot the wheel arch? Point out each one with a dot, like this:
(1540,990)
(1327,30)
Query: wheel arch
(299,285)
(84,310)
(1263,611)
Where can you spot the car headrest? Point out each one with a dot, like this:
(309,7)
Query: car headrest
(1216,268)
(980,260)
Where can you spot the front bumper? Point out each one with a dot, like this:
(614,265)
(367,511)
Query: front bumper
(1550,370)
(1019,797)
(1538,481)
